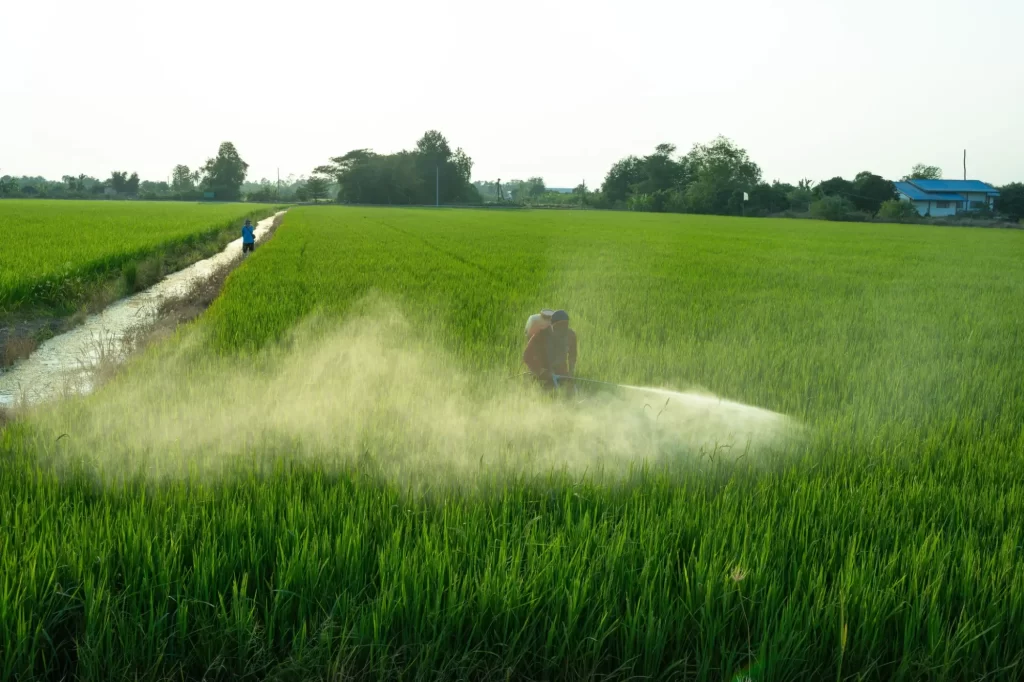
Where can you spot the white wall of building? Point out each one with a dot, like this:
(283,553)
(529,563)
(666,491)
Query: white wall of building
(977,196)
(933,208)
(935,211)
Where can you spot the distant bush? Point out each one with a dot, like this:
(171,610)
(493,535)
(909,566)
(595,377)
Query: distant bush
(641,202)
(834,208)
(898,211)
(264,195)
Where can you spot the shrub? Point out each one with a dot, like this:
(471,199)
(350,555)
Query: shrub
(898,211)
(832,208)
(641,202)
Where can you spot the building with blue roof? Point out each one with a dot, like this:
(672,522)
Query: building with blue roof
(938,198)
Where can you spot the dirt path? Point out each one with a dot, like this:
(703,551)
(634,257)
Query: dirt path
(66,364)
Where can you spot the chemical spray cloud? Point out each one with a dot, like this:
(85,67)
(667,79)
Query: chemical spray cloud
(373,394)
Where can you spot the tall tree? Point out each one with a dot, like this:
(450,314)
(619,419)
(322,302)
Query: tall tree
(722,171)
(432,170)
(131,185)
(836,186)
(870,191)
(225,173)
(444,175)
(340,164)
(181,178)
(767,199)
(623,176)
(118,181)
(316,188)
(649,181)
(922,172)
(533,187)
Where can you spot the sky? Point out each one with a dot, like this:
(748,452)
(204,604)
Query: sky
(561,88)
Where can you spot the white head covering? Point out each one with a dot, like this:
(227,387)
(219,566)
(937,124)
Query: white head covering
(538,321)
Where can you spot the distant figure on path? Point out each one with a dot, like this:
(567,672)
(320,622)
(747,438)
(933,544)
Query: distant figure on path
(248,237)
(552,352)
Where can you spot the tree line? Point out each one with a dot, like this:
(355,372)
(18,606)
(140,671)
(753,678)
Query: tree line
(220,178)
(717,177)
(720,178)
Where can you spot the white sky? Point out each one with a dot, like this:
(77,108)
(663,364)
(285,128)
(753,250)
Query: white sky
(562,89)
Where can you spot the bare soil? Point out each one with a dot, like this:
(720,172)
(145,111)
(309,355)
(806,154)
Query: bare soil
(18,339)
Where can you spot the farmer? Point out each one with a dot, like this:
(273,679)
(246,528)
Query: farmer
(248,237)
(538,321)
(551,352)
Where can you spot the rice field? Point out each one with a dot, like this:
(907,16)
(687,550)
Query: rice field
(52,251)
(336,474)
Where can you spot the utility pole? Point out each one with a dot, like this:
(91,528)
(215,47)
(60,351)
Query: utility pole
(437,186)
(965,164)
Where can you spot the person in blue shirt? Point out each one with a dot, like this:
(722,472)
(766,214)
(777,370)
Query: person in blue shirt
(248,237)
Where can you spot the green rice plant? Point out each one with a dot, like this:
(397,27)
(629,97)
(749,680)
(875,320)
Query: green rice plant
(263,496)
(53,251)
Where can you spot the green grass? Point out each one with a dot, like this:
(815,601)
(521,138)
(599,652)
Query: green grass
(886,545)
(54,253)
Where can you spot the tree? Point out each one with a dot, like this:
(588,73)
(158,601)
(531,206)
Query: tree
(767,199)
(649,183)
(580,193)
(533,188)
(225,173)
(316,188)
(131,185)
(181,179)
(340,165)
(836,186)
(301,193)
(662,174)
(800,198)
(118,181)
(1010,201)
(441,171)
(870,191)
(922,172)
(431,171)
(342,169)
(263,192)
(9,186)
(621,178)
(721,172)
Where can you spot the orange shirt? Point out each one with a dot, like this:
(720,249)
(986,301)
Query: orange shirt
(536,354)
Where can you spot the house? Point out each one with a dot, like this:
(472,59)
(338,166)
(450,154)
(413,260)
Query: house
(938,198)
